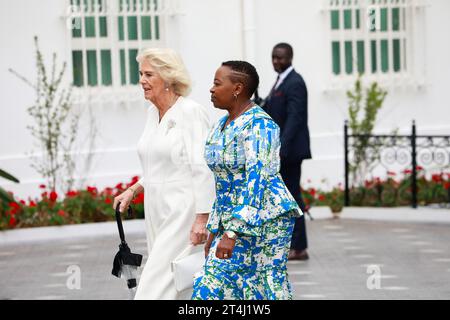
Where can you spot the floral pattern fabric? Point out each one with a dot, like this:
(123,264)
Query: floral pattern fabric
(252,200)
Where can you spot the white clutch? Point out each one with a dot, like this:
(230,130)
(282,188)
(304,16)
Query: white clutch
(186,265)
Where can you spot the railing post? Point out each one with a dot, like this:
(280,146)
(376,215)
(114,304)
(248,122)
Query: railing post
(414,166)
(347,191)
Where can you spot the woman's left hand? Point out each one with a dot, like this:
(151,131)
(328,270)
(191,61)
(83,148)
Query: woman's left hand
(198,230)
(225,247)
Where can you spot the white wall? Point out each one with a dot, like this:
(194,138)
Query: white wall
(206,33)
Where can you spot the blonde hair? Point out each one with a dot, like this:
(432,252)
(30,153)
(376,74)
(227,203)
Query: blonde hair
(170,67)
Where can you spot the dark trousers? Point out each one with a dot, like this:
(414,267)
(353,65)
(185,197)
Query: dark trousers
(291,172)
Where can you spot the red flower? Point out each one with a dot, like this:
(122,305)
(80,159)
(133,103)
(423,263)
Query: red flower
(312,192)
(108,191)
(44,195)
(14,206)
(92,190)
(139,198)
(12,222)
(53,196)
(437,178)
(32,204)
(71,194)
(447,185)
(321,197)
(392,174)
(119,186)
(134,179)
(407,171)
(108,200)
(419,168)
(42,186)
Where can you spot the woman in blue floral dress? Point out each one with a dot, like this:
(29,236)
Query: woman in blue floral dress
(253,215)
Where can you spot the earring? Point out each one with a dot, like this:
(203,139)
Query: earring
(235,95)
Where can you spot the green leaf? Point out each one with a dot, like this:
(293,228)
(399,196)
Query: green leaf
(7,176)
(5,197)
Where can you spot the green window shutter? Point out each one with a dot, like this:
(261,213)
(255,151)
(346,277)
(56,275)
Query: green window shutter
(100,6)
(348,57)
(358,19)
(347,19)
(157,27)
(373,55)
(103,27)
(132,28)
(372,17)
(123,77)
(92,67)
(336,50)
(120,24)
(106,67)
(76,27)
(146,26)
(395,19)
(77,66)
(384,19)
(397,55)
(134,66)
(334,19)
(89,23)
(361,57)
(384,55)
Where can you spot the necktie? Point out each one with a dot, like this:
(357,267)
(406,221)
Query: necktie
(273,88)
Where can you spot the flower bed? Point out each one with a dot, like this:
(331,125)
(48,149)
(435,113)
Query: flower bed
(77,206)
(92,205)
(393,191)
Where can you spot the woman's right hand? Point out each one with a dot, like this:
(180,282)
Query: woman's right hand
(125,199)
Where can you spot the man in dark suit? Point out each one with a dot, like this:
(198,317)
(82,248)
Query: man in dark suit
(287,104)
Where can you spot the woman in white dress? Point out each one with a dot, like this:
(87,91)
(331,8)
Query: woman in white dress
(178,185)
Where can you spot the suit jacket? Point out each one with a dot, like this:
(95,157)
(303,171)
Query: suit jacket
(288,107)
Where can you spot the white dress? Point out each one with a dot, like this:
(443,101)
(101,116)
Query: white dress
(177,185)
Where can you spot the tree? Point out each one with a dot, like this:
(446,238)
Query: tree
(362,122)
(55,126)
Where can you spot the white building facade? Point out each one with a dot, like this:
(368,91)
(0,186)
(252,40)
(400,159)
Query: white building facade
(402,44)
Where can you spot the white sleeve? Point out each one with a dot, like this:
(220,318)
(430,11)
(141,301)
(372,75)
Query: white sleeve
(141,182)
(198,127)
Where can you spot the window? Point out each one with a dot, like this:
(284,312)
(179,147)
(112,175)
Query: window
(107,36)
(369,36)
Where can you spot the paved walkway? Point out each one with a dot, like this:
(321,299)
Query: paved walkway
(367,254)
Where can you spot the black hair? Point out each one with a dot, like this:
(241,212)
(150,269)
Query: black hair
(245,73)
(287,47)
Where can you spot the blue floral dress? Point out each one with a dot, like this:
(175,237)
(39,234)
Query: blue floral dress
(252,200)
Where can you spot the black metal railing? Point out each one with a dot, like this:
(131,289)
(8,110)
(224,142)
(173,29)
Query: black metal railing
(404,150)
